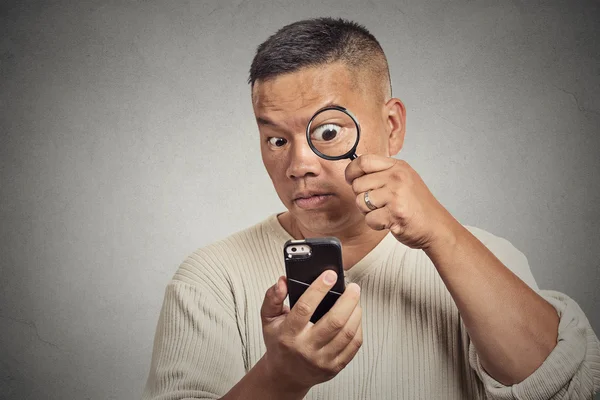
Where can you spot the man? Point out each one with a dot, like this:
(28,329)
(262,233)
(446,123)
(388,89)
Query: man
(432,309)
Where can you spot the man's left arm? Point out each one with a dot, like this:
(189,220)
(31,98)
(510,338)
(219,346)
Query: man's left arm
(524,344)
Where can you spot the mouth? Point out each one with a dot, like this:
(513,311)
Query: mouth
(311,200)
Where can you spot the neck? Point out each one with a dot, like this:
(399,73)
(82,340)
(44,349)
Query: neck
(357,239)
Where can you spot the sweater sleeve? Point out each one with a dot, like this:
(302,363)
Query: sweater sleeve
(197,347)
(571,371)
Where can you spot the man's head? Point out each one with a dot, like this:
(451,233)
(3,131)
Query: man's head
(301,68)
(320,42)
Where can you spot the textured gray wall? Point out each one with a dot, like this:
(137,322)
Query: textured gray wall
(127,140)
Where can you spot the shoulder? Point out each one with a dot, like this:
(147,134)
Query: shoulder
(219,261)
(507,253)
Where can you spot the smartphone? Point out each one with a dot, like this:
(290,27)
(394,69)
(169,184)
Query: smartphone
(305,261)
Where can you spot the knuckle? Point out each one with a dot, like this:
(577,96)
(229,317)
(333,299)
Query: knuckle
(400,209)
(361,160)
(401,163)
(355,186)
(364,161)
(320,365)
(380,226)
(264,317)
(338,366)
(303,309)
(349,334)
(335,323)
(397,230)
(320,286)
(325,368)
(375,223)
(358,201)
(357,341)
(393,191)
(268,294)
(347,173)
(398,174)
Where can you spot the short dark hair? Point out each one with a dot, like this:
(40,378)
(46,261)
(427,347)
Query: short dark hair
(315,42)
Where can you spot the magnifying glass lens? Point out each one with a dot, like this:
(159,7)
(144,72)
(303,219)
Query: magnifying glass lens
(333,133)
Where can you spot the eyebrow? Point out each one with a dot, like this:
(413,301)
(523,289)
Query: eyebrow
(267,122)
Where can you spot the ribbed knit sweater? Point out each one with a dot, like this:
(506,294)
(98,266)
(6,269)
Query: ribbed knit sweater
(415,346)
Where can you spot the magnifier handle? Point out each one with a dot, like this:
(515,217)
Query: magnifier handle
(353,156)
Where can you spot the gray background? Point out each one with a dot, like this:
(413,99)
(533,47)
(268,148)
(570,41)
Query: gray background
(128,140)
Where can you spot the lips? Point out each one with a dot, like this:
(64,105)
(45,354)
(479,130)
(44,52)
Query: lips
(307,194)
(311,200)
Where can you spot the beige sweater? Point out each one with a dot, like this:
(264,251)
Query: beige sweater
(209,332)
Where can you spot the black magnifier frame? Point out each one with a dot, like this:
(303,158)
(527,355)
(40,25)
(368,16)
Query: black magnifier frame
(351,154)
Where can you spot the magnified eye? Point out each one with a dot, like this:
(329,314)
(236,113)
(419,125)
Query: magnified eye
(326,132)
(277,141)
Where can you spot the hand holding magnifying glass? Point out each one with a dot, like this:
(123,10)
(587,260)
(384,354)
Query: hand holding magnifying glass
(390,192)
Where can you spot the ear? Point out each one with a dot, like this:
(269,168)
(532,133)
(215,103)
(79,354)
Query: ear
(395,116)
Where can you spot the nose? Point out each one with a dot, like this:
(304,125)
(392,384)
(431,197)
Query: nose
(302,161)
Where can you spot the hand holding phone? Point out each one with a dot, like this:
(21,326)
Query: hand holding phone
(305,261)
(301,354)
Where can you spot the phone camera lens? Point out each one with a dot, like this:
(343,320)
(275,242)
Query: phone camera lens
(293,249)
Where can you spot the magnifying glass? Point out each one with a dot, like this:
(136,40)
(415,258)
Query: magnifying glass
(333,133)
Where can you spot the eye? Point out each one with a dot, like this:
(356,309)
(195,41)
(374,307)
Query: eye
(277,141)
(326,132)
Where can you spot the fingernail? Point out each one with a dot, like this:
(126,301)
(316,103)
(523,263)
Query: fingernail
(330,277)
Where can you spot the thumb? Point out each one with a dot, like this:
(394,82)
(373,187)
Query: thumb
(273,303)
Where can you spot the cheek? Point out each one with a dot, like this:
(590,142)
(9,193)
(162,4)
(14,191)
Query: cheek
(273,163)
(372,141)
(348,194)
(338,178)
(365,146)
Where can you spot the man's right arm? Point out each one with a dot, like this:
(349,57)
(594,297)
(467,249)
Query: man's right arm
(198,353)
(197,350)
(259,383)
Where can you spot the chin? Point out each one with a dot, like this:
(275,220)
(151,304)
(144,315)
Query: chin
(324,221)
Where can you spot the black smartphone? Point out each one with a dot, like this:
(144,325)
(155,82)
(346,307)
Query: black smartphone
(305,261)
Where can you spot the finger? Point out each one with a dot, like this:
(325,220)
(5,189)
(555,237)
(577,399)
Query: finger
(370,181)
(335,319)
(367,164)
(272,305)
(345,335)
(378,197)
(379,219)
(352,347)
(306,305)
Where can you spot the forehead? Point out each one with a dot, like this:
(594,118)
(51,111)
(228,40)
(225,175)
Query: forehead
(305,90)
